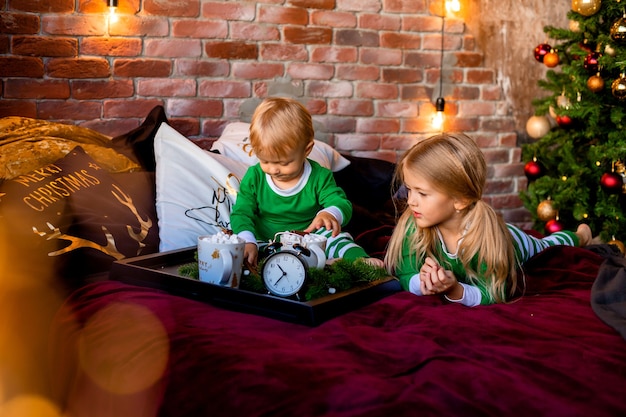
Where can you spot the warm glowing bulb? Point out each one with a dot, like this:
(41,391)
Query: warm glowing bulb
(453,6)
(437,121)
(113,18)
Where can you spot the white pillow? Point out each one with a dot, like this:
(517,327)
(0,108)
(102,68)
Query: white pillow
(235,143)
(195,189)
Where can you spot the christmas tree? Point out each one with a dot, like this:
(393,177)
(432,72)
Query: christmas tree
(575,166)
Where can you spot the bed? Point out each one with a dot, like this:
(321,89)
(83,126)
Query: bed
(115,349)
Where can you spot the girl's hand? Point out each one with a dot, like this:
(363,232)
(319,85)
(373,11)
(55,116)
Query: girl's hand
(324,219)
(434,279)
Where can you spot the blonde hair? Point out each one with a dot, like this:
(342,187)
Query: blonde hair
(280,126)
(453,164)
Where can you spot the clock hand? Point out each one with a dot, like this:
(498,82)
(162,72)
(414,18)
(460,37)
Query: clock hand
(281,277)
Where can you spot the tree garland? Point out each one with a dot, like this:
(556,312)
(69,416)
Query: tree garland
(338,276)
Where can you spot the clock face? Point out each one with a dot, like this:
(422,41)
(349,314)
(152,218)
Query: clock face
(284,273)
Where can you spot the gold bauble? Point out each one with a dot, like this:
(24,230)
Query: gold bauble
(618,244)
(574,26)
(586,7)
(609,50)
(563,101)
(618,31)
(546,210)
(537,126)
(595,83)
(618,87)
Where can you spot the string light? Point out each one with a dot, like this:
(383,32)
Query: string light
(453,6)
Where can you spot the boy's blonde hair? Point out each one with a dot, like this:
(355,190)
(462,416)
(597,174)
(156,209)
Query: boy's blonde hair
(453,164)
(280,126)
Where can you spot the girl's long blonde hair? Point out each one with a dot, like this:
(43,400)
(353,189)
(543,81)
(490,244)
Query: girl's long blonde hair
(453,164)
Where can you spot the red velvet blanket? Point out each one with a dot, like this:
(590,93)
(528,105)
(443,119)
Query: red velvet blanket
(120,350)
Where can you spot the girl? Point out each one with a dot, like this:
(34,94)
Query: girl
(450,242)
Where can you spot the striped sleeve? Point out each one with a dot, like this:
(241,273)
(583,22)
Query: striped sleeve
(527,246)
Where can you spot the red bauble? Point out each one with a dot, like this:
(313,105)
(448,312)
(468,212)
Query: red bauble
(591,62)
(553,226)
(611,182)
(564,120)
(542,50)
(533,170)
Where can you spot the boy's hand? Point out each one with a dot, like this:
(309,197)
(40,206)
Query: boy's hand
(251,254)
(324,219)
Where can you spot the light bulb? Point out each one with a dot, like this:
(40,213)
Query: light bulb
(112,11)
(439,116)
(453,6)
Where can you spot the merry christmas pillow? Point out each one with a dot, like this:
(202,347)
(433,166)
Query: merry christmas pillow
(72,218)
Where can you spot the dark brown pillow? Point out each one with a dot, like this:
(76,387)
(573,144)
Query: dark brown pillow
(71,218)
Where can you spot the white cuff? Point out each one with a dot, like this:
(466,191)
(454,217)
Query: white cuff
(415,285)
(247,236)
(471,296)
(335,212)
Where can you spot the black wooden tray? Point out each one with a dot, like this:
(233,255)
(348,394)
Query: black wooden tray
(160,271)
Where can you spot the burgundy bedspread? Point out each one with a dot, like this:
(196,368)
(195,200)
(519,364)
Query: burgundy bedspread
(119,350)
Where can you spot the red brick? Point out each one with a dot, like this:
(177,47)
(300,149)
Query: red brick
(400,142)
(421,23)
(111,46)
(433,42)
(361,5)
(401,75)
(18,108)
(476,108)
(313,4)
(38,6)
(185,126)
(334,19)
(21,67)
(401,109)
(480,76)
(194,108)
(195,28)
(254,32)
(404,6)
(423,59)
(358,72)
(129,108)
(357,142)
(400,40)
(329,89)
(189,8)
(78,68)
(213,128)
(379,56)
(283,15)
(33,88)
(466,93)
(377,91)
(173,48)
(97,90)
(307,35)
(334,54)
(338,124)
(316,107)
(469,59)
(310,71)
(224,89)
(142,68)
(491,92)
(69,110)
(4,44)
(413,92)
(229,10)
(374,125)
(79,25)
(498,124)
(196,68)
(380,22)
(43,46)
(356,37)
(257,70)
(166,88)
(351,107)
(231,50)
(139,26)
(283,52)
(463,124)
(15,23)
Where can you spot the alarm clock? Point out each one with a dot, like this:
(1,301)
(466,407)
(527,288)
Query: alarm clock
(284,272)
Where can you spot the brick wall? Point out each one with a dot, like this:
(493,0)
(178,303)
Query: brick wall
(368,70)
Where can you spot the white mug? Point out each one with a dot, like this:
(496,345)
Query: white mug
(220,259)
